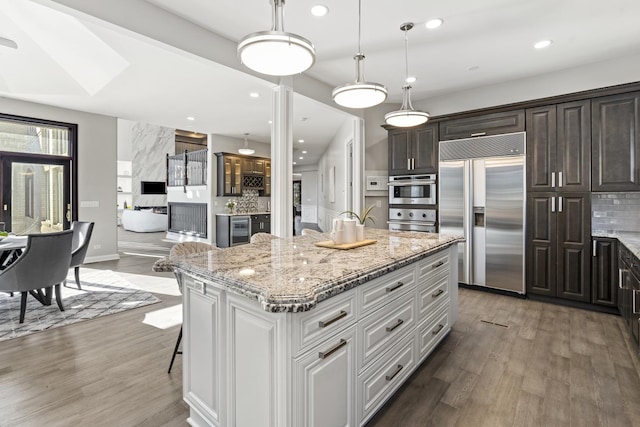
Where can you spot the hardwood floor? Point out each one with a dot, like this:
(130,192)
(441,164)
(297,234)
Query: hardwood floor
(547,366)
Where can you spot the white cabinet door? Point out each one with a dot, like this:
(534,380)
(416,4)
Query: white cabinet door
(201,341)
(324,383)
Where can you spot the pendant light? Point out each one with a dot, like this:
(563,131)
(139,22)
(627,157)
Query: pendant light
(276,52)
(360,94)
(246,150)
(406,116)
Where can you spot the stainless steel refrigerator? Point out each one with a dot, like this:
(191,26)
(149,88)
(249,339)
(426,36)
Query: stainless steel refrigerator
(482,196)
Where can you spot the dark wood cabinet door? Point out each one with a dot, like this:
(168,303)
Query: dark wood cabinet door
(541,148)
(615,146)
(573,151)
(604,272)
(574,244)
(424,149)
(541,271)
(488,124)
(399,151)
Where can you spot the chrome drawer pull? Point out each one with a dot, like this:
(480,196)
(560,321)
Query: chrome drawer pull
(620,279)
(438,264)
(479,134)
(325,323)
(325,354)
(437,293)
(633,302)
(398,323)
(394,287)
(393,375)
(438,329)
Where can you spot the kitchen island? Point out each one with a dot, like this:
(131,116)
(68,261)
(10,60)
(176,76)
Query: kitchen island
(285,333)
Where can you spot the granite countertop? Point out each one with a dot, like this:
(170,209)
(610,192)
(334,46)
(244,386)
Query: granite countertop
(630,239)
(292,274)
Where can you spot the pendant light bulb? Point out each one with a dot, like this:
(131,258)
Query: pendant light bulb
(246,150)
(276,52)
(406,116)
(359,94)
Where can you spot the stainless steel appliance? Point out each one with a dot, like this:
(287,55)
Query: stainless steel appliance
(239,230)
(482,196)
(412,189)
(401,219)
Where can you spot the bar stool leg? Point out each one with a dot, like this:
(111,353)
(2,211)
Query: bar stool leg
(175,350)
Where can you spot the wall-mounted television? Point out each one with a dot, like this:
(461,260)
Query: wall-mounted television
(153,187)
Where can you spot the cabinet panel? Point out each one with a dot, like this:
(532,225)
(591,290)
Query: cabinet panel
(413,151)
(574,247)
(324,391)
(574,146)
(541,244)
(616,142)
(425,150)
(399,153)
(604,272)
(488,124)
(541,148)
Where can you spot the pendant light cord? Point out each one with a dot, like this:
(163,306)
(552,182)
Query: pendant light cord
(359,24)
(406,52)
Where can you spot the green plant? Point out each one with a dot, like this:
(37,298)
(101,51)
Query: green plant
(365,215)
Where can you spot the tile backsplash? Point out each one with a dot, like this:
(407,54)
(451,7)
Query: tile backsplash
(615,212)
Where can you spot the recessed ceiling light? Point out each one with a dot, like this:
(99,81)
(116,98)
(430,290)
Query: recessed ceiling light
(410,79)
(294,163)
(434,23)
(191,118)
(304,151)
(301,141)
(270,122)
(254,95)
(542,44)
(319,10)
(301,158)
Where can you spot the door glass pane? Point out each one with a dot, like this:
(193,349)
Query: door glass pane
(34,138)
(37,198)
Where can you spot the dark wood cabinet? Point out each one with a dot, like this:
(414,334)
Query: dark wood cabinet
(629,292)
(559,147)
(229,175)
(236,173)
(488,124)
(413,151)
(260,223)
(615,146)
(558,245)
(253,166)
(604,271)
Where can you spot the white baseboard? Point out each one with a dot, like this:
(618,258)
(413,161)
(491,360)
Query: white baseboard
(110,257)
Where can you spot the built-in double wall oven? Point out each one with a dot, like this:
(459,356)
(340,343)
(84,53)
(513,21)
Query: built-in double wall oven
(412,203)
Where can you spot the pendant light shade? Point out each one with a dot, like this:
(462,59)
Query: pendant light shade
(276,52)
(359,94)
(246,150)
(406,116)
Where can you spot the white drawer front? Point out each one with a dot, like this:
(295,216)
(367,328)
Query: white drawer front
(431,296)
(381,329)
(432,266)
(378,382)
(384,289)
(329,317)
(433,330)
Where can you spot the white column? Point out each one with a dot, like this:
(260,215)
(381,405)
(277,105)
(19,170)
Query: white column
(281,161)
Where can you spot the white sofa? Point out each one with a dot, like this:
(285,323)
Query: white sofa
(143,221)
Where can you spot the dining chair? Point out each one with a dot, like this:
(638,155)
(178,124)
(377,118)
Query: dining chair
(81,237)
(165,265)
(43,265)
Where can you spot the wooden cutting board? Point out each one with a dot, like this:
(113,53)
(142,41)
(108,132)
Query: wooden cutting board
(330,244)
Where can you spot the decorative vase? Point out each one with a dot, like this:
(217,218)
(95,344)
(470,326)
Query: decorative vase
(359,232)
(349,227)
(230,211)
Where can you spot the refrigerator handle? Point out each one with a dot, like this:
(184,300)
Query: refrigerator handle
(560,204)
(553,204)
(553,180)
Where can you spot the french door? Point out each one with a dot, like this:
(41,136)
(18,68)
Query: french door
(36,193)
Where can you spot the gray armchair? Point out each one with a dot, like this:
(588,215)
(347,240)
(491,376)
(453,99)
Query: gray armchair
(43,265)
(81,237)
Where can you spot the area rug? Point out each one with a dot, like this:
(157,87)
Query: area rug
(103,292)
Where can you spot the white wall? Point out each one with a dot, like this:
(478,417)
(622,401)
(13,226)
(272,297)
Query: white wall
(309,180)
(97,141)
(334,156)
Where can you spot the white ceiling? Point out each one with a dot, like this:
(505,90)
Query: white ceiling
(77,61)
